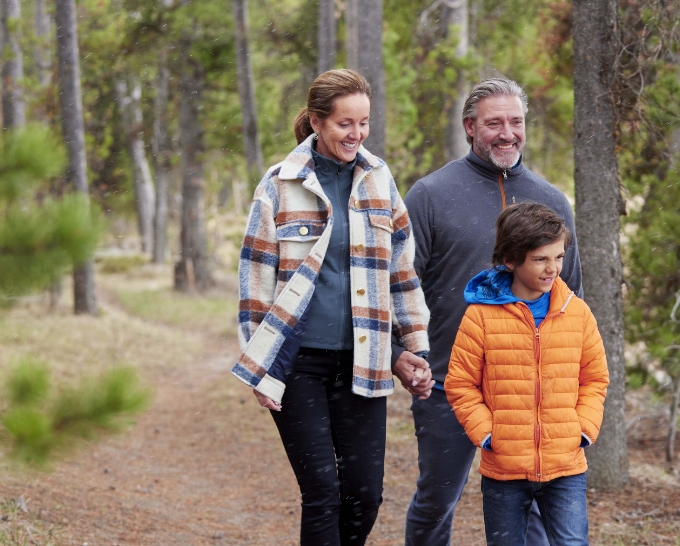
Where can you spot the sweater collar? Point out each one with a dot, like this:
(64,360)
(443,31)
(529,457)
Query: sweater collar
(300,162)
(492,171)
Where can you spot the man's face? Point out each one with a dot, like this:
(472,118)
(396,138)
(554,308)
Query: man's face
(498,134)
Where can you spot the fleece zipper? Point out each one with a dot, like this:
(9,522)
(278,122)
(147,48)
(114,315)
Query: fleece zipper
(501,176)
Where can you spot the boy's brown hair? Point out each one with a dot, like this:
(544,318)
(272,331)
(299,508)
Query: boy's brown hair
(524,227)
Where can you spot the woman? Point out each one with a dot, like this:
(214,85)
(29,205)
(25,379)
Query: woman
(326,272)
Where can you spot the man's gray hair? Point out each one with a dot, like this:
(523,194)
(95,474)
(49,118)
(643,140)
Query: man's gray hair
(493,87)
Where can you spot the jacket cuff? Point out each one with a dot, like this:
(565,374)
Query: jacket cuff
(486,443)
(271,387)
(585,440)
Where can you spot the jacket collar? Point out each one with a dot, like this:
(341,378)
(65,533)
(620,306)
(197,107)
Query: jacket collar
(492,171)
(300,162)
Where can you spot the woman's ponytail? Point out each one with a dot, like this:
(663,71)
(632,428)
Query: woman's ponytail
(302,126)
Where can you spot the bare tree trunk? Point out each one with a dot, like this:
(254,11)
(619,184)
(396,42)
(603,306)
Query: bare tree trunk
(246,91)
(326,36)
(13,109)
(673,425)
(352,32)
(162,152)
(70,100)
(129,104)
(364,42)
(42,25)
(598,207)
(457,142)
(192,270)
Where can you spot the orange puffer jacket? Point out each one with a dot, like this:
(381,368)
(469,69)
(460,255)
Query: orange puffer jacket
(535,390)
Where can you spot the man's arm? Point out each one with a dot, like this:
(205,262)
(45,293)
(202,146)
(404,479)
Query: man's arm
(571,270)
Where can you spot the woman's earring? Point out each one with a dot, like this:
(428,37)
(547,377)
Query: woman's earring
(316,137)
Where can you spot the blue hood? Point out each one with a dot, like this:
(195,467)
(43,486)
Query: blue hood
(491,287)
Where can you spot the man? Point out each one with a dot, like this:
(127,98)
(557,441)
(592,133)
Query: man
(453,212)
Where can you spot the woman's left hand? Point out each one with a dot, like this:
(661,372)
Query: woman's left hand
(266,402)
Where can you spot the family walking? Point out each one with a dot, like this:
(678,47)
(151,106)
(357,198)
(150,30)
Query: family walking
(468,291)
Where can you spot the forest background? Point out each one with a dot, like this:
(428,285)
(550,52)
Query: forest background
(185,103)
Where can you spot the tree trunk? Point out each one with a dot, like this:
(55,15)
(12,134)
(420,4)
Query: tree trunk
(246,91)
(43,27)
(598,207)
(129,104)
(326,36)
(162,152)
(457,137)
(13,109)
(70,101)
(192,271)
(364,54)
(673,425)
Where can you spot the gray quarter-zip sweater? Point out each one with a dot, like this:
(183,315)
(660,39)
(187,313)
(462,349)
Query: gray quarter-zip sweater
(453,212)
(329,323)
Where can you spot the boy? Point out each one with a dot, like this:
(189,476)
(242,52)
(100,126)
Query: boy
(527,380)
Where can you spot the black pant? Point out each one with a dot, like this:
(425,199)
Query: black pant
(335,442)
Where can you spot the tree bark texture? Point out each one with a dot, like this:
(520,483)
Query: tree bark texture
(673,425)
(13,108)
(246,91)
(70,101)
(162,151)
(364,54)
(457,137)
(192,271)
(129,105)
(42,26)
(598,206)
(326,36)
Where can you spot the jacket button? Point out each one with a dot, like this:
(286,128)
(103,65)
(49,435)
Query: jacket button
(304,230)
(391,223)
(357,204)
(362,339)
(361,291)
(360,247)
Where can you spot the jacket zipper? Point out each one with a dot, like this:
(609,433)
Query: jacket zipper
(537,429)
(501,176)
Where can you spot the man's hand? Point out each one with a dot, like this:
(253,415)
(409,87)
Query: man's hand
(266,402)
(415,374)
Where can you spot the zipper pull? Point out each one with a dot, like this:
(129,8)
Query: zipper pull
(537,334)
(505,174)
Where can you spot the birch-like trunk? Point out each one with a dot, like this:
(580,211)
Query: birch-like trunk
(13,108)
(70,101)
(457,137)
(326,36)
(364,54)
(246,91)
(42,25)
(129,105)
(598,207)
(162,152)
(192,272)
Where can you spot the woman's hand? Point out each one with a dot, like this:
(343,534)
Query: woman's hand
(266,402)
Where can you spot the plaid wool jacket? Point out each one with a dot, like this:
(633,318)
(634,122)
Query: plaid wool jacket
(286,238)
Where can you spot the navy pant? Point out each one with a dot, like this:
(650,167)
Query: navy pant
(445,455)
(562,502)
(335,442)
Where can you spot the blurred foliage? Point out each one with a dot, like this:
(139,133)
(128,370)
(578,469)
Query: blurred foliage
(40,235)
(41,420)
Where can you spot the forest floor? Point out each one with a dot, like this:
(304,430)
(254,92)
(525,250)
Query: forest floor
(204,466)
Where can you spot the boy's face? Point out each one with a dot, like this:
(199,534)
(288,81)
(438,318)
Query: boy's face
(537,274)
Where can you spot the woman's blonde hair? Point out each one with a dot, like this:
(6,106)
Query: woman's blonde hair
(323,93)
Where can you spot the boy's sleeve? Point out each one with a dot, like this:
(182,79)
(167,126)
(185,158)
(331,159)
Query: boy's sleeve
(463,384)
(593,380)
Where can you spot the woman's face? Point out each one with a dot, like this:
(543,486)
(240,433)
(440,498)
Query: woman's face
(341,133)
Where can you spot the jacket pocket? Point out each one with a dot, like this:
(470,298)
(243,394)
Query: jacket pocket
(301,230)
(381,222)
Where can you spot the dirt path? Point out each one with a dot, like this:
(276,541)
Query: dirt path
(204,465)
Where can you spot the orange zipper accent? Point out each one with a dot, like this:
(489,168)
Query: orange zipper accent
(500,184)
(537,430)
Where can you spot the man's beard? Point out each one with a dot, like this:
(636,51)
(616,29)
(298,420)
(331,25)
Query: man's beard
(504,164)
